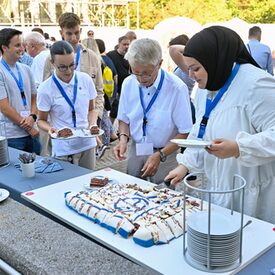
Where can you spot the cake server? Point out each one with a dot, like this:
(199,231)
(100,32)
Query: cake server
(165,184)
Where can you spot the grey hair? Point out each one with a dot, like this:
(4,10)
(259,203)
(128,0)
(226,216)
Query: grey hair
(144,51)
(36,38)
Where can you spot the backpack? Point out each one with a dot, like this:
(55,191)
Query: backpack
(108,81)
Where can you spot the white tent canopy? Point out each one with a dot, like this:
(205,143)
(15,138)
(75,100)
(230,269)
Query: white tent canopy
(170,28)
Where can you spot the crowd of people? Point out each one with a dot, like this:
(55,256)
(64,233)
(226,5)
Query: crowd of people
(46,86)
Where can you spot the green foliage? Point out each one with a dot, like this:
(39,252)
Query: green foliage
(204,11)
(253,11)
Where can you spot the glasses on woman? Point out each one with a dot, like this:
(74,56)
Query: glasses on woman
(65,68)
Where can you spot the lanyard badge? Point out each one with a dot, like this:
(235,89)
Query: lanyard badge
(210,105)
(146,147)
(63,93)
(18,81)
(152,101)
(77,57)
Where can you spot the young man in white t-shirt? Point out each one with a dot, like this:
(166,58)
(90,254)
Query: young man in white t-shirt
(17,94)
(51,100)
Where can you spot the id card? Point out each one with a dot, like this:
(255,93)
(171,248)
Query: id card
(144,149)
(25,113)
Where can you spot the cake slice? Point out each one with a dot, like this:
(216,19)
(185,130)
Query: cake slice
(143,237)
(126,228)
(65,132)
(162,225)
(99,181)
(93,210)
(94,130)
(157,234)
(174,226)
(113,222)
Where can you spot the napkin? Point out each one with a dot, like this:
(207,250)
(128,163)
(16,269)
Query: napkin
(44,166)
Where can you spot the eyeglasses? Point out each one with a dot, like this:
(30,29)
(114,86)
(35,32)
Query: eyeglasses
(65,68)
(146,76)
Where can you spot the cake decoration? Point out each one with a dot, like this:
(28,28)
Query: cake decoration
(148,215)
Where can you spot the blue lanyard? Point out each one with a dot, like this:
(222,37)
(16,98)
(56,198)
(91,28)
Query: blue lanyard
(77,57)
(210,105)
(18,81)
(153,99)
(60,88)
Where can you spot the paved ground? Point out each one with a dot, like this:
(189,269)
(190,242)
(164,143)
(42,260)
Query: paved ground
(108,160)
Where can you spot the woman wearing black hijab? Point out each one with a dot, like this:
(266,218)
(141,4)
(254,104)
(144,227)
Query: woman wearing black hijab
(235,110)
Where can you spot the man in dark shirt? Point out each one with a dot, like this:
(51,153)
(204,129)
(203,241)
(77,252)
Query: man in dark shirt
(122,67)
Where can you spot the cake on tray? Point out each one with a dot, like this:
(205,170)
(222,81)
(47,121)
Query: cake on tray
(149,215)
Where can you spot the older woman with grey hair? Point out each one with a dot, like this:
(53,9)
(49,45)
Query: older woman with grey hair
(154,108)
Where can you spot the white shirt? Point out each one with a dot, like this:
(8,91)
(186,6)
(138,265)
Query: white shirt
(37,67)
(49,99)
(10,90)
(246,113)
(169,115)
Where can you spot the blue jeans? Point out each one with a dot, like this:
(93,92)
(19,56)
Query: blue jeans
(27,144)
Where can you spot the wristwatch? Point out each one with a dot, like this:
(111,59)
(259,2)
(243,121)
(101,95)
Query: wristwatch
(34,116)
(163,157)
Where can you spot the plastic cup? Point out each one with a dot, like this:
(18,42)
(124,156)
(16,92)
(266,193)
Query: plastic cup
(28,170)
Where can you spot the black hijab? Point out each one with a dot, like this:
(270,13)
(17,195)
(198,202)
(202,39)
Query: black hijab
(217,48)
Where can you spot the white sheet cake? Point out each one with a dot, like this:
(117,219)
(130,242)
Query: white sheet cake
(149,215)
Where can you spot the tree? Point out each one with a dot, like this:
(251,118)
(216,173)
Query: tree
(204,11)
(253,11)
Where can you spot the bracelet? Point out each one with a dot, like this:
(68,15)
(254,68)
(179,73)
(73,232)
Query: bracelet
(123,134)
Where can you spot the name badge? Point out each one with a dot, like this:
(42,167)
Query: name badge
(25,113)
(144,149)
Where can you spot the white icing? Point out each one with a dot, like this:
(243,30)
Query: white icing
(174,226)
(165,229)
(143,233)
(157,214)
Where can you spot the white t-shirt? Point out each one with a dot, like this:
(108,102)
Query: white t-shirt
(49,99)
(10,90)
(37,67)
(169,115)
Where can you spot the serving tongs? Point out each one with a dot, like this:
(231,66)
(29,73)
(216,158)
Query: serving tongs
(165,184)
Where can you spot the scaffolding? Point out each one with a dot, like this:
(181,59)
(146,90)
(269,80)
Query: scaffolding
(100,13)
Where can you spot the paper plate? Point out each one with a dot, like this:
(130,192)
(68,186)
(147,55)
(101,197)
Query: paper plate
(87,185)
(4,194)
(78,133)
(192,143)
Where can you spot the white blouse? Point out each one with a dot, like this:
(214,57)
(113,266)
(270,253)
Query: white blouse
(246,113)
